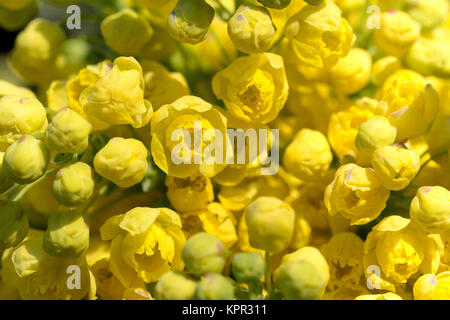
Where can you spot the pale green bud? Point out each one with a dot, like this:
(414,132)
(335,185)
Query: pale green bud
(430,208)
(68,132)
(190,20)
(270,223)
(204,253)
(175,286)
(214,286)
(126,32)
(429,13)
(247,266)
(74,184)
(276,4)
(431,57)
(299,280)
(13,224)
(67,235)
(375,132)
(26,160)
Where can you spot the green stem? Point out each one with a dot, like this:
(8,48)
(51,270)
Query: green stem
(268,276)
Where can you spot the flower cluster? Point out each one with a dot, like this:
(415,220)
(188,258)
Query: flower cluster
(221,149)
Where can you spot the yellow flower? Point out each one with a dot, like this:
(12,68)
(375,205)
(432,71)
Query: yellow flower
(38,276)
(237,197)
(122,161)
(395,166)
(117,97)
(344,125)
(146,243)
(10,89)
(36,49)
(68,132)
(319,35)
(383,296)
(433,287)
(429,13)
(26,160)
(308,157)
(215,219)
(254,88)
(251,29)
(86,79)
(357,194)
(175,127)
(429,57)
(74,184)
(20,115)
(161,86)
(383,68)
(430,208)
(399,249)
(56,95)
(397,32)
(270,223)
(191,193)
(352,72)
(344,253)
(126,32)
(412,103)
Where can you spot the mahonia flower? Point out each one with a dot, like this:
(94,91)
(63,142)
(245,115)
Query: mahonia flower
(429,13)
(308,157)
(68,132)
(397,32)
(401,249)
(319,35)
(254,88)
(352,72)
(146,243)
(251,29)
(122,161)
(126,32)
(174,132)
(412,103)
(344,253)
(20,115)
(191,193)
(215,219)
(117,97)
(395,166)
(356,193)
(39,276)
(430,209)
(383,68)
(381,296)
(74,184)
(343,126)
(432,287)
(237,197)
(161,86)
(10,89)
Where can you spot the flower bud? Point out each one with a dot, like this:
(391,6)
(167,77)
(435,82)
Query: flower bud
(430,208)
(190,21)
(18,116)
(251,29)
(175,286)
(214,286)
(428,13)
(395,166)
(432,287)
(13,224)
(299,280)
(67,235)
(126,32)
(204,253)
(383,68)
(270,223)
(276,4)
(68,132)
(5,181)
(375,132)
(247,267)
(308,156)
(12,19)
(26,160)
(122,161)
(430,57)
(73,184)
